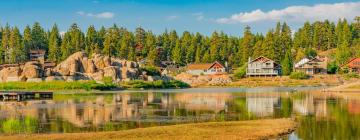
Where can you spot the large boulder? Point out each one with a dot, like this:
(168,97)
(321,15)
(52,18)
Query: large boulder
(101,61)
(89,66)
(71,65)
(113,72)
(34,80)
(54,78)
(11,74)
(97,76)
(129,73)
(32,70)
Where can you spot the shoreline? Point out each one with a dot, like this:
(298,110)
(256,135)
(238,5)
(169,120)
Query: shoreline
(252,129)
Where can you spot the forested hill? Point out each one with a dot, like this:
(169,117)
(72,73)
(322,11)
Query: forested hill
(279,43)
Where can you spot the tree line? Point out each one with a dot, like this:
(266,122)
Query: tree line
(279,43)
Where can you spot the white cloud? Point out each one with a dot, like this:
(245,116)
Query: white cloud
(103,15)
(297,13)
(172,17)
(199,16)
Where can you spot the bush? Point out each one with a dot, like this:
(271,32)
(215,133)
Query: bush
(351,75)
(240,72)
(155,84)
(299,75)
(56,85)
(332,68)
(152,71)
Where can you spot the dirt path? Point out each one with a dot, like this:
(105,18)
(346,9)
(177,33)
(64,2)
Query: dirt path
(254,129)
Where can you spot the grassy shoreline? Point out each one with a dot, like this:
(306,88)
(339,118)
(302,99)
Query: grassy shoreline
(253,129)
(89,85)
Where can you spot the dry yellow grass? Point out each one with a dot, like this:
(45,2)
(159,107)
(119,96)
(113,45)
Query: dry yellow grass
(254,129)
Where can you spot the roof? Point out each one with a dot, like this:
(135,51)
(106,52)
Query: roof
(262,59)
(307,60)
(202,66)
(37,51)
(352,65)
(302,62)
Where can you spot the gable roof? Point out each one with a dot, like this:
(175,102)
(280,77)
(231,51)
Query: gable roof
(202,66)
(262,59)
(349,63)
(306,60)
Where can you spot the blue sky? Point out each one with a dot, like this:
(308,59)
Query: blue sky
(202,16)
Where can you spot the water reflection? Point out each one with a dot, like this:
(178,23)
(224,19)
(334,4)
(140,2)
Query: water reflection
(104,112)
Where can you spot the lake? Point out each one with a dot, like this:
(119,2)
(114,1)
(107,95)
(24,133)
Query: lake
(319,116)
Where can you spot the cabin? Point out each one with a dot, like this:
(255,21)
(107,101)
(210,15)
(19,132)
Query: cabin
(352,66)
(263,66)
(35,55)
(169,68)
(312,66)
(205,68)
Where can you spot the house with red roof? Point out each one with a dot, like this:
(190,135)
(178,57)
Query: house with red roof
(353,65)
(205,68)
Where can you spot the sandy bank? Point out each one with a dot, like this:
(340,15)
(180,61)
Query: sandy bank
(254,129)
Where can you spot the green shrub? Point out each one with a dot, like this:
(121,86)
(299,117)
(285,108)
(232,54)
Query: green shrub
(155,84)
(150,70)
(299,75)
(351,75)
(12,126)
(240,72)
(55,85)
(107,80)
(332,68)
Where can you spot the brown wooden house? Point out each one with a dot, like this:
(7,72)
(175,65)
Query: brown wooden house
(37,55)
(311,66)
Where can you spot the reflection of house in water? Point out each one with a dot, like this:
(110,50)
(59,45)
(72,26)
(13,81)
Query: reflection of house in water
(204,101)
(354,107)
(262,105)
(304,106)
(308,105)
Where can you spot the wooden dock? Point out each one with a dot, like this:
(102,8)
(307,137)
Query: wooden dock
(24,95)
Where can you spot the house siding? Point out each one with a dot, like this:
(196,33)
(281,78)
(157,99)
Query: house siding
(259,68)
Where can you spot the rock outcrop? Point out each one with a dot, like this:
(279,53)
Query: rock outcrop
(78,66)
(204,80)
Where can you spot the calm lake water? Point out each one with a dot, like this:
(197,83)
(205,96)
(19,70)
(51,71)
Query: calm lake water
(320,117)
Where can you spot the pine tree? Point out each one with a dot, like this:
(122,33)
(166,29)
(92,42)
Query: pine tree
(111,42)
(27,40)
(177,56)
(5,44)
(126,45)
(287,64)
(285,40)
(16,49)
(140,36)
(246,45)
(91,40)
(153,57)
(54,44)
(269,45)
(38,37)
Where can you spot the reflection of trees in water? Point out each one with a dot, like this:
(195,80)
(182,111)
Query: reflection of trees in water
(339,124)
(132,110)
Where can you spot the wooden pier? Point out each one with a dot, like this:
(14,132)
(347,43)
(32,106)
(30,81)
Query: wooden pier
(24,95)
